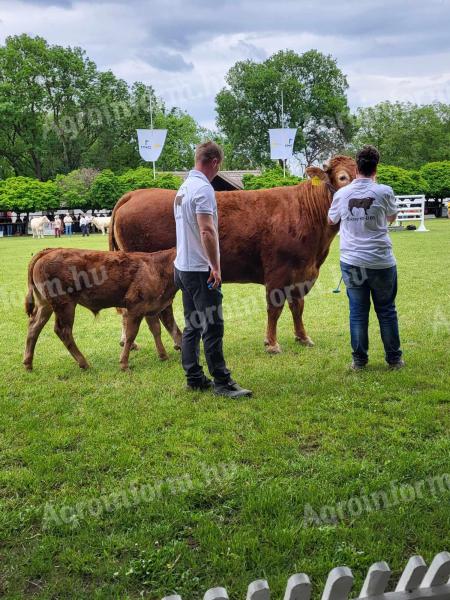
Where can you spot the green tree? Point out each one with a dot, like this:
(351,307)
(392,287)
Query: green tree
(117,148)
(142,177)
(437,176)
(406,135)
(51,102)
(74,188)
(105,190)
(26,194)
(270,178)
(314,91)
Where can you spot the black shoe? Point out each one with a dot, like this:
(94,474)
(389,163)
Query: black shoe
(396,366)
(201,386)
(357,367)
(231,390)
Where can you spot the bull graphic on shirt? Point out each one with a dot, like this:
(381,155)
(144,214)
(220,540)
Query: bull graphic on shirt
(364,203)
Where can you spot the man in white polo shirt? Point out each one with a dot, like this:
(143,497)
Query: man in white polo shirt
(364,208)
(198,275)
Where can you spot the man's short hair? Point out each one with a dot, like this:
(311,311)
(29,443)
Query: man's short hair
(208,151)
(367,160)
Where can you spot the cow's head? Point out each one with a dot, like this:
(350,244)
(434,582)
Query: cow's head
(337,172)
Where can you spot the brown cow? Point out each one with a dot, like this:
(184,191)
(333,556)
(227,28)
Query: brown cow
(61,278)
(277,237)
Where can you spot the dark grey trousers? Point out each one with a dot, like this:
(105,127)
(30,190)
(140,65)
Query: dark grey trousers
(203,319)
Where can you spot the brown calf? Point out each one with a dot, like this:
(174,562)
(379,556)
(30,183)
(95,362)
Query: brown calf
(60,278)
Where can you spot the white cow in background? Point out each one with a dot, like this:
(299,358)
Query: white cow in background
(102,223)
(37,226)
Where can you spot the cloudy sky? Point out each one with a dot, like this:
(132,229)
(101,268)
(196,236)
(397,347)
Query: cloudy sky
(396,50)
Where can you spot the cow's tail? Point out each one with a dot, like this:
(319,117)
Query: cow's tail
(30,297)
(113,242)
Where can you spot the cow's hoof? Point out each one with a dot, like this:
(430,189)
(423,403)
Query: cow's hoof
(84,366)
(124,367)
(307,341)
(134,346)
(164,356)
(275,349)
(28,366)
(177,347)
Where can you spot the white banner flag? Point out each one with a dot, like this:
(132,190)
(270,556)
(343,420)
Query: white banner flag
(151,142)
(281,142)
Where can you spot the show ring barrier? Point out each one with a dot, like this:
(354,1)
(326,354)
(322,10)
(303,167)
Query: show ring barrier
(411,208)
(418,582)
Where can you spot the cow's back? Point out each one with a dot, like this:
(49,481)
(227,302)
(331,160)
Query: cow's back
(254,227)
(144,222)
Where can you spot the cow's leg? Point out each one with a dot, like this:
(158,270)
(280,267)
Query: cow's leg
(297,305)
(35,326)
(274,310)
(155,328)
(124,313)
(168,320)
(63,329)
(132,328)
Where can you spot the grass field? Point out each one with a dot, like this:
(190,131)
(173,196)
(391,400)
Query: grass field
(123,485)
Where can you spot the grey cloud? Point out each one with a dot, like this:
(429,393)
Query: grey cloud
(390,38)
(250,50)
(168,61)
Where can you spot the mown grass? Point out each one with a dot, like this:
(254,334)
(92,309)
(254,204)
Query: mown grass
(313,434)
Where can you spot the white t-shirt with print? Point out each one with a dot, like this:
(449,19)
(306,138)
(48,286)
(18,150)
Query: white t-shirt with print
(362,207)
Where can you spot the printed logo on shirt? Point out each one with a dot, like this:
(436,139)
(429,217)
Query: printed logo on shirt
(364,203)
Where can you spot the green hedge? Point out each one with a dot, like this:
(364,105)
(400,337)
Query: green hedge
(25,194)
(89,188)
(269,179)
(437,176)
(83,188)
(402,181)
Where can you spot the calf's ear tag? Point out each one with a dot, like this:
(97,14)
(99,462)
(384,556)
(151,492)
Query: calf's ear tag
(316,180)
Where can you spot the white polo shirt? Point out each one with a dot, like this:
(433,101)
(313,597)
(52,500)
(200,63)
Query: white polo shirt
(195,196)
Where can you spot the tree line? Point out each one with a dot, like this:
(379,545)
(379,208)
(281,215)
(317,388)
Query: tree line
(68,129)
(94,189)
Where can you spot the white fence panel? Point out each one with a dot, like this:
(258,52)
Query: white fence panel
(411,208)
(418,582)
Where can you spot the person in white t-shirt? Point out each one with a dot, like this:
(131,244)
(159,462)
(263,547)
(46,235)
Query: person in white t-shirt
(83,225)
(198,275)
(364,209)
(68,222)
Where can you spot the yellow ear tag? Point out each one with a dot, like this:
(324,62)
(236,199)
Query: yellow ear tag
(316,180)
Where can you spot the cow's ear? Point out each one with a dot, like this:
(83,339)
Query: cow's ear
(317,174)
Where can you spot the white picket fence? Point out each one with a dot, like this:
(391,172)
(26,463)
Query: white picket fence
(418,582)
(411,208)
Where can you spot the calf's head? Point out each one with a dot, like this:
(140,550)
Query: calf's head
(336,173)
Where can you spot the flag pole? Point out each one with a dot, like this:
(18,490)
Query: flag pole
(151,127)
(282,125)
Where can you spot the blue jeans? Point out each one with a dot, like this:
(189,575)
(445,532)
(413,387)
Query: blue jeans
(381,285)
(68,229)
